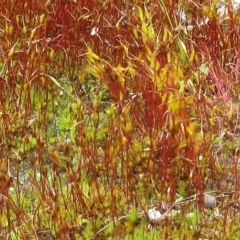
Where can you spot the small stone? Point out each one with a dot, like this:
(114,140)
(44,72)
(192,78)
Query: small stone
(154,215)
(209,201)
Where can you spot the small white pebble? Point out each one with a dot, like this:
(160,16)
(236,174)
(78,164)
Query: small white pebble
(94,31)
(154,215)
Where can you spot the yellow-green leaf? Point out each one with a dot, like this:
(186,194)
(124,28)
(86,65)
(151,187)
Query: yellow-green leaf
(140,13)
(91,55)
(191,128)
(129,126)
(133,215)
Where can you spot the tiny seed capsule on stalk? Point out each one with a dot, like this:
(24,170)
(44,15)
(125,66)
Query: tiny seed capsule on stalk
(24,29)
(33,33)
(52,53)
(41,18)
(10,53)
